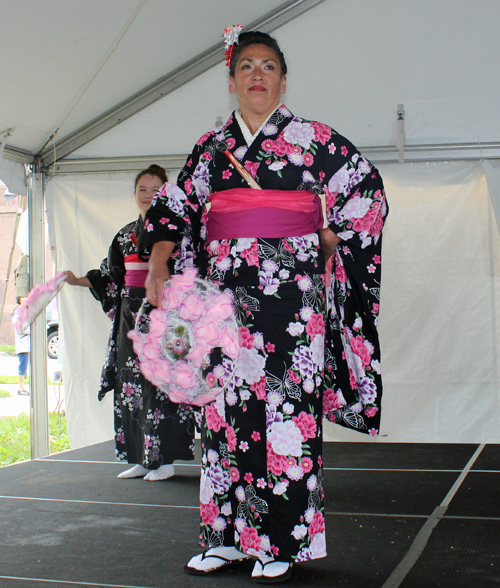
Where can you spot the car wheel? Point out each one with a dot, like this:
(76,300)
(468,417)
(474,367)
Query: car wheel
(53,344)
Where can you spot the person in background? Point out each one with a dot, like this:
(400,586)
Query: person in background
(22,346)
(261,490)
(150,431)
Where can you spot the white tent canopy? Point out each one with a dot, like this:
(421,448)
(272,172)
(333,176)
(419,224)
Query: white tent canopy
(351,62)
(115,84)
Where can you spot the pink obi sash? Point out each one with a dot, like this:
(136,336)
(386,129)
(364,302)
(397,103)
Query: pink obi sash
(136,271)
(248,213)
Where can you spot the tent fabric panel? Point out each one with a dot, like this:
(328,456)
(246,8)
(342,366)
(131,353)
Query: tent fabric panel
(439,307)
(12,174)
(87,213)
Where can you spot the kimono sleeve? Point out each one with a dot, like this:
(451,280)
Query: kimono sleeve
(107,281)
(174,216)
(165,219)
(356,210)
(355,200)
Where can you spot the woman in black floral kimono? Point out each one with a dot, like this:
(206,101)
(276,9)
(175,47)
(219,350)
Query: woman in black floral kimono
(150,431)
(261,489)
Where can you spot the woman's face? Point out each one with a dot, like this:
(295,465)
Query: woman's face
(146,189)
(257,80)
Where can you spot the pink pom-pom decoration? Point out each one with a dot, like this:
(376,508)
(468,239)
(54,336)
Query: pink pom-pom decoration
(184,282)
(208,330)
(184,375)
(176,395)
(157,324)
(208,398)
(163,370)
(38,299)
(220,306)
(230,345)
(174,344)
(170,297)
(192,307)
(197,356)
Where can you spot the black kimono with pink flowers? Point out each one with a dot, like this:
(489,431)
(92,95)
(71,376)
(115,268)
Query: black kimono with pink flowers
(149,429)
(261,483)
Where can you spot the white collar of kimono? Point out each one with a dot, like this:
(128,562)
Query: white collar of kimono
(247,135)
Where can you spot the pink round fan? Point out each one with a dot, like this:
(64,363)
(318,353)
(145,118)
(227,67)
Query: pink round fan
(174,344)
(38,298)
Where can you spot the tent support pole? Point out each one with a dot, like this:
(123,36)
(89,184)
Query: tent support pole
(39,414)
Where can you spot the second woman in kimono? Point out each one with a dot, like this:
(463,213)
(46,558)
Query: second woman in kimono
(150,431)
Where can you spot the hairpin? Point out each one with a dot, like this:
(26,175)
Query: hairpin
(231,35)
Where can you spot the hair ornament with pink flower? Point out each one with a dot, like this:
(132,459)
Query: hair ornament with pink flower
(231,35)
(174,344)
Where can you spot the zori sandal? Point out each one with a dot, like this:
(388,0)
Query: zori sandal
(263,579)
(220,563)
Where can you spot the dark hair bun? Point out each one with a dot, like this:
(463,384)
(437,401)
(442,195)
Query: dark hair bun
(154,170)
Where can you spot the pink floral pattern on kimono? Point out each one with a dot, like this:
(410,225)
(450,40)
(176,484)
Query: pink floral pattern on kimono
(262,479)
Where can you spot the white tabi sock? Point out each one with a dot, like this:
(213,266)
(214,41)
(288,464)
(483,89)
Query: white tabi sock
(134,472)
(162,473)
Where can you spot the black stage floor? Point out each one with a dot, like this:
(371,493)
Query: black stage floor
(398,515)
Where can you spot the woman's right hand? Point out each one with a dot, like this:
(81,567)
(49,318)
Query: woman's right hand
(158,272)
(155,283)
(72,280)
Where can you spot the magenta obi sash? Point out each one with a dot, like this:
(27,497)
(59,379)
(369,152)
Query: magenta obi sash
(250,213)
(136,271)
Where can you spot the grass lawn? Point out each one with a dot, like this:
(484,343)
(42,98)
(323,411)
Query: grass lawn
(15,444)
(10,349)
(15,380)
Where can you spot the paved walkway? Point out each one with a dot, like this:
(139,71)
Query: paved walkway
(15,404)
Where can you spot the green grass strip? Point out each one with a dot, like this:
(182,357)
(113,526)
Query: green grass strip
(15,442)
(15,380)
(9,349)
